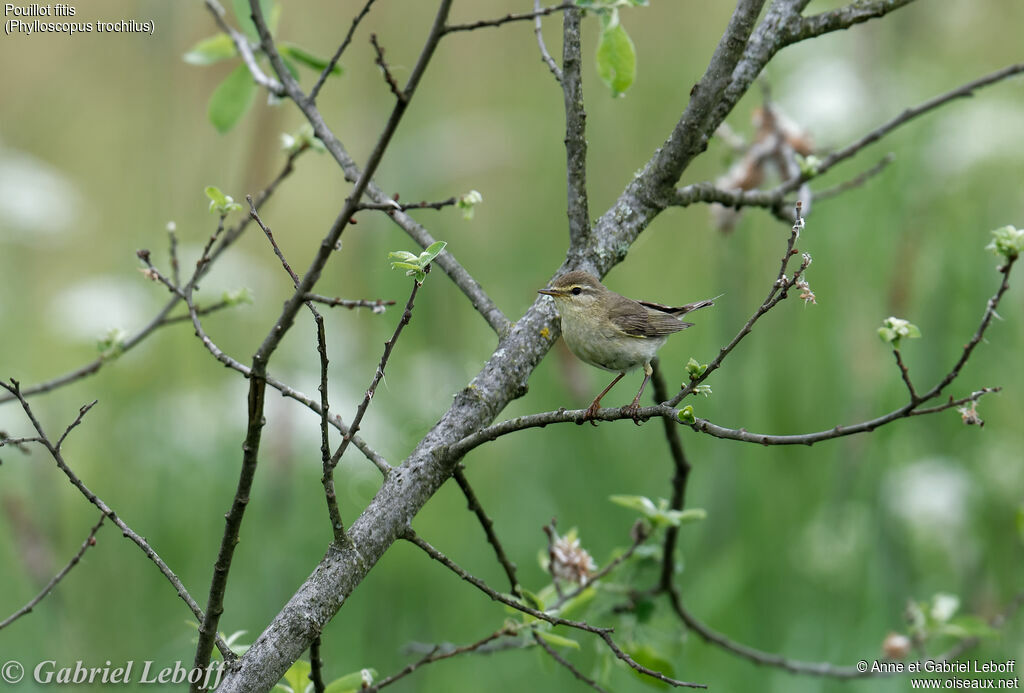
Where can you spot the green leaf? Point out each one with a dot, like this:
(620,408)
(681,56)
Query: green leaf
(231,99)
(219,202)
(301,55)
(557,640)
(352,682)
(405,266)
(695,369)
(403,256)
(578,603)
(616,55)
(211,50)
(243,14)
(644,505)
(686,415)
(679,517)
(297,676)
(432,251)
(893,329)
(1007,242)
(532,599)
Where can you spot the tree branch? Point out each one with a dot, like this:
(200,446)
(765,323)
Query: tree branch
(315,91)
(544,54)
(89,542)
(511,17)
(436,655)
(488,524)
(575,131)
(244,50)
(14,388)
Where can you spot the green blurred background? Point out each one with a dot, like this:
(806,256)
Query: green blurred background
(809,552)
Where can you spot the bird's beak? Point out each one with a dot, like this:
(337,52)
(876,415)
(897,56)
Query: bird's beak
(549,292)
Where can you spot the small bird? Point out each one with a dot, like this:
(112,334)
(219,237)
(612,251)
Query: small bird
(611,331)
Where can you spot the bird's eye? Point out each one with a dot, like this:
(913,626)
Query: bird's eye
(576,291)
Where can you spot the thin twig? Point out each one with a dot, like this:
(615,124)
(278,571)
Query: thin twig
(680,475)
(386,71)
(577,206)
(327,477)
(316,664)
(905,374)
(377,376)
(603,633)
(14,388)
(855,182)
(244,50)
(161,319)
(377,304)
(341,49)
(707,192)
(488,524)
(436,654)
(778,292)
(754,655)
(89,542)
(565,662)
(511,17)
(544,54)
(414,538)
(394,205)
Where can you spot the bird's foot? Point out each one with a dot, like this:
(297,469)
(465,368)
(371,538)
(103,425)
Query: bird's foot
(590,413)
(632,411)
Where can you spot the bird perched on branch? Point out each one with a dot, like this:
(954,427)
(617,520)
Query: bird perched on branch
(611,331)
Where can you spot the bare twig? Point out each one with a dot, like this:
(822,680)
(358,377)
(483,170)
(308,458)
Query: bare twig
(905,374)
(341,49)
(327,478)
(244,50)
(855,182)
(414,538)
(386,71)
(511,17)
(492,538)
(162,317)
(754,655)
(565,663)
(437,654)
(377,376)
(603,633)
(89,541)
(393,205)
(681,474)
(707,192)
(544,54)
(316,664)
(14,388)
(575,131)
(376,304)
(778,292)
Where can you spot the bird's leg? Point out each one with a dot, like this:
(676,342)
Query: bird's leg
(633,408)
(596,404)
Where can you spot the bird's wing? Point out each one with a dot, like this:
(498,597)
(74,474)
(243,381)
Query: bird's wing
(641,320)
(679,310)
